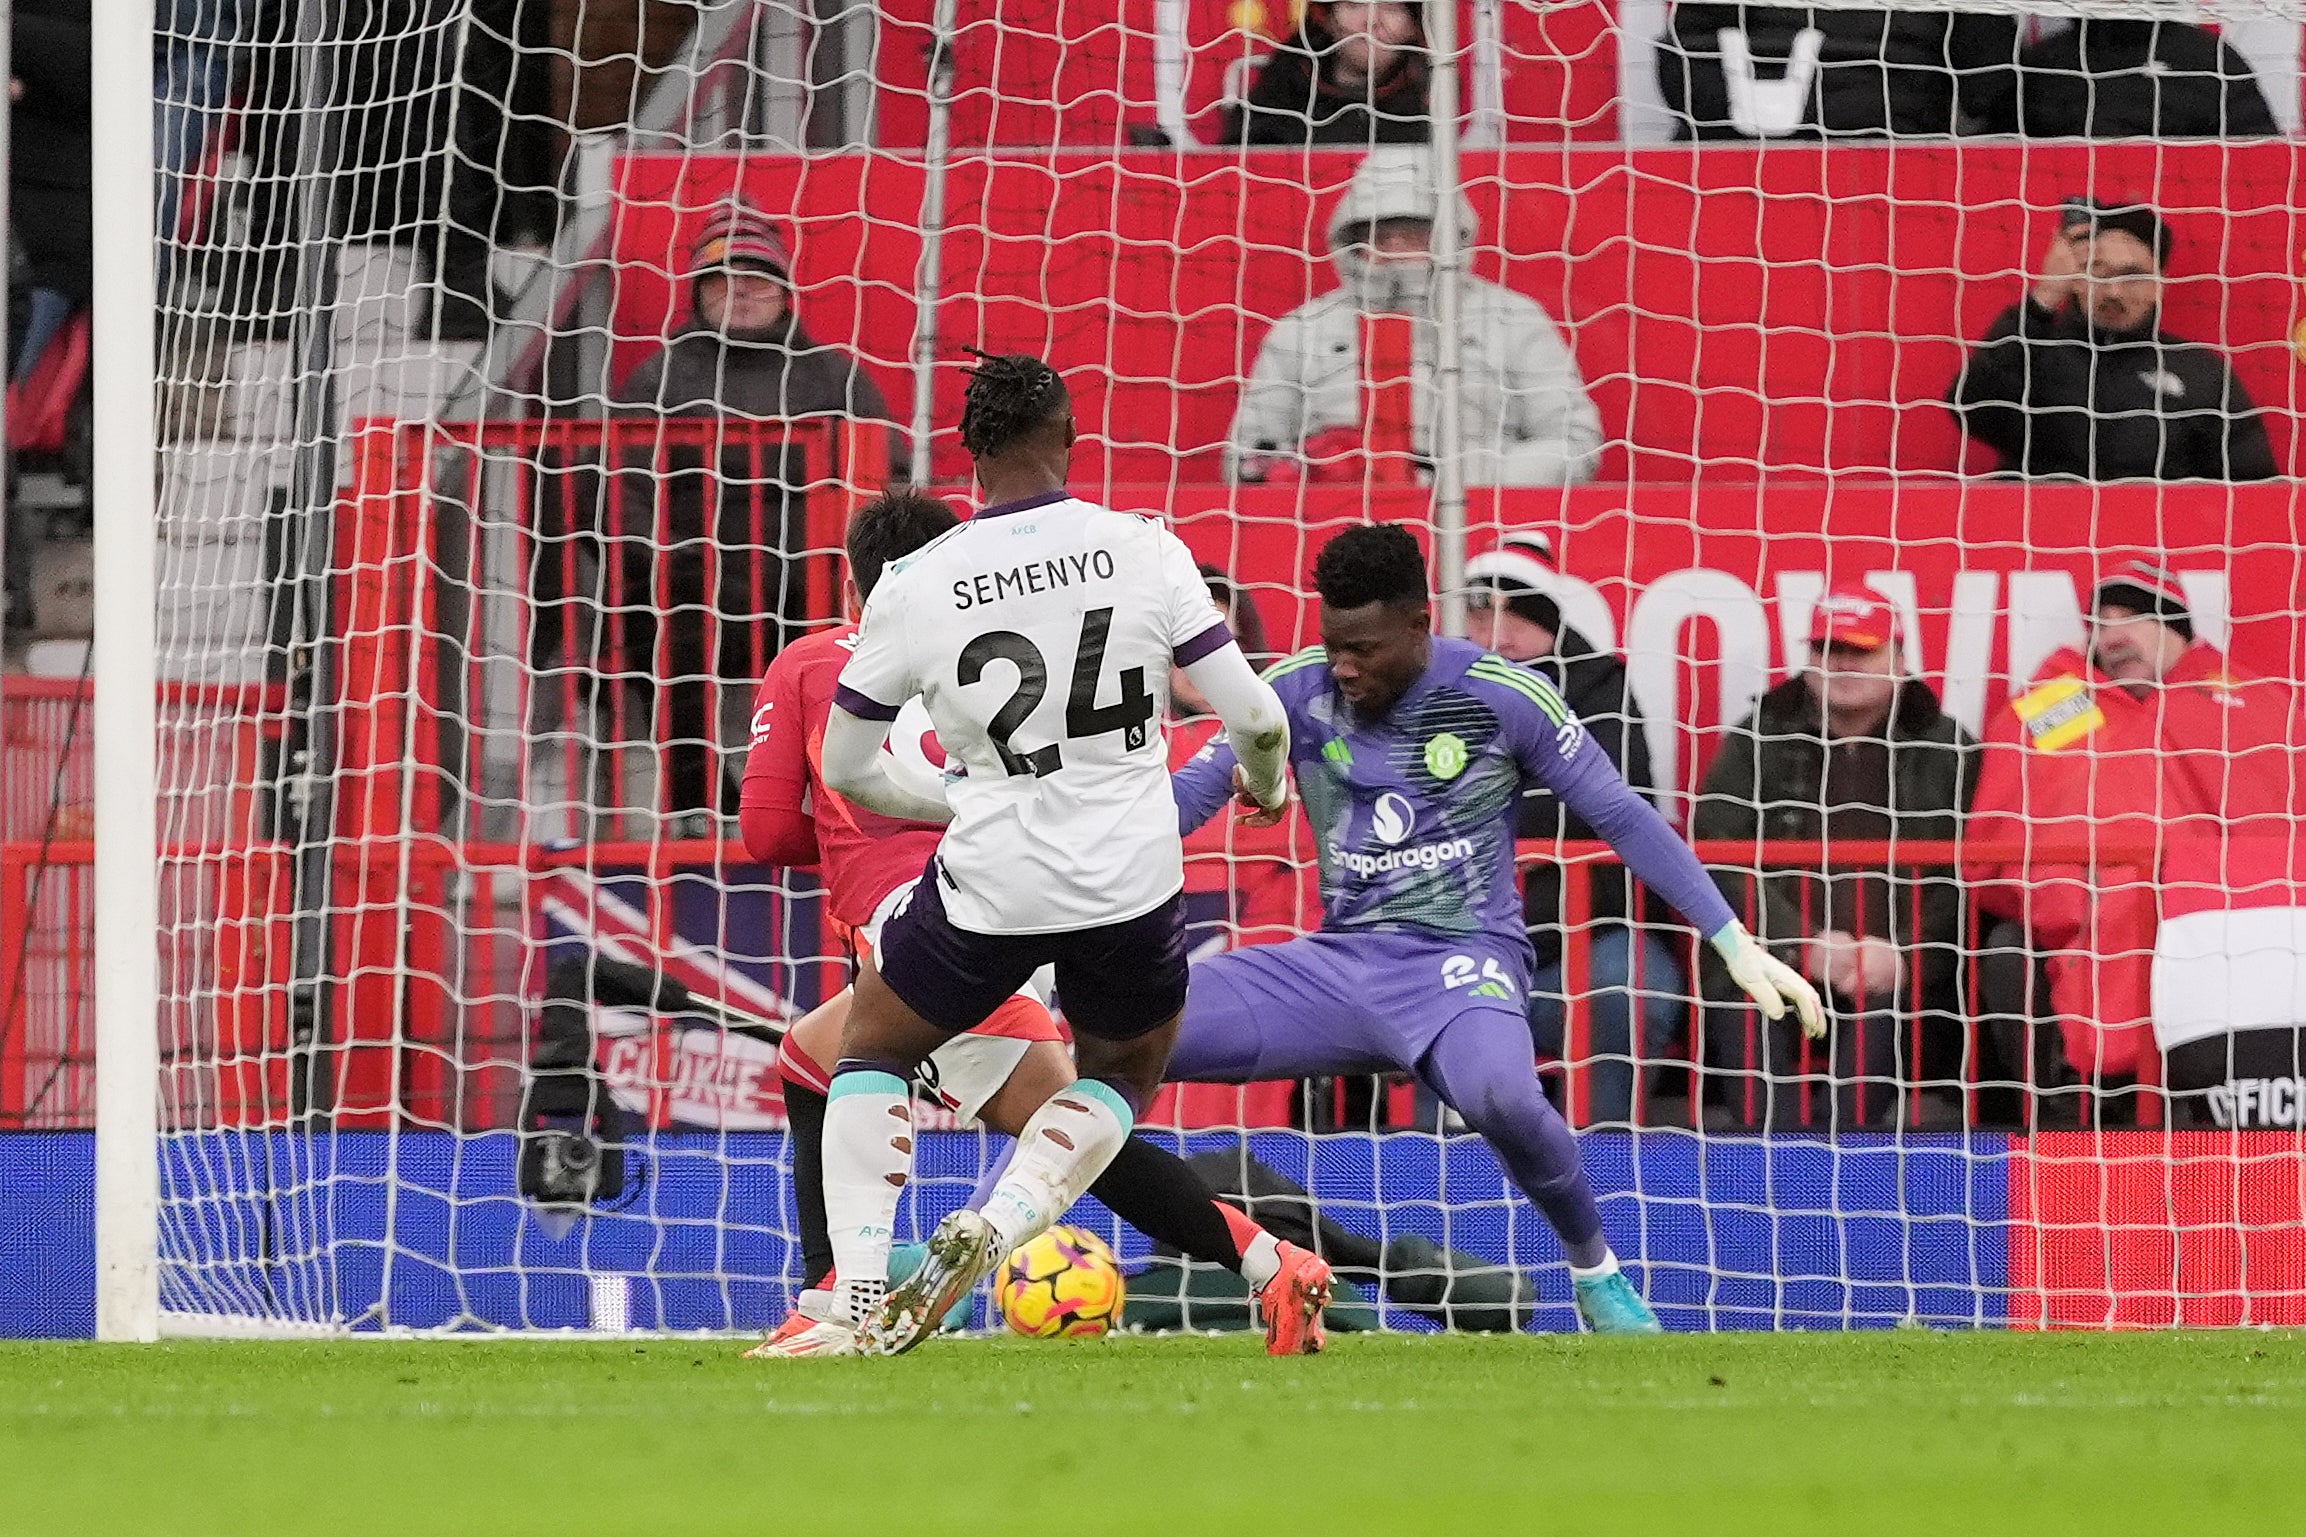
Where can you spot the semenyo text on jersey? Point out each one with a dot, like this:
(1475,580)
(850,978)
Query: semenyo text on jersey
(1032,578)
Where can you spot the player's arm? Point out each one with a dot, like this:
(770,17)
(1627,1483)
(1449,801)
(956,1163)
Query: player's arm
(1256,727)
(774,814)
(874,686)
(1555,747)
(1201,642)
(1203,785)
(855,766)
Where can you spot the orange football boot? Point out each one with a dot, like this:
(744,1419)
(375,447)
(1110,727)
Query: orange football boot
(1292,1303)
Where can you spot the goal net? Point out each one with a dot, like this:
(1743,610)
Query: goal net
(1784,385)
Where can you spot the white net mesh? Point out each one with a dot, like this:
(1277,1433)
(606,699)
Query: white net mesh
(477,535)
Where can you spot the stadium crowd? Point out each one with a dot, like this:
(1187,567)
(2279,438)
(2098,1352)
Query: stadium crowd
(2030,983)
(2033,978)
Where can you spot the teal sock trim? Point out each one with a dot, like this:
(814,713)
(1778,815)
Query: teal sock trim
(1105,1094)
(845,1084)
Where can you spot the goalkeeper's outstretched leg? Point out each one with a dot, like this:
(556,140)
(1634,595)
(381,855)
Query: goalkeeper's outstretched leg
(1480,1066)
(1444,1007)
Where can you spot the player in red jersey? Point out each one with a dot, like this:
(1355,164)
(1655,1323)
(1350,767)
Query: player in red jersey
(998,1073)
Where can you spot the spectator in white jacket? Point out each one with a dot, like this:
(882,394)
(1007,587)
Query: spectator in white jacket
(1527,419)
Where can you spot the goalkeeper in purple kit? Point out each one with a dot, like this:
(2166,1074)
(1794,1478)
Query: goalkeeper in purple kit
(1411,753)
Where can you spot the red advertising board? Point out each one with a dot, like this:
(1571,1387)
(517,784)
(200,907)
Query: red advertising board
(2147,1230)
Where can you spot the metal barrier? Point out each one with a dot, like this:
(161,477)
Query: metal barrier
(218,750)
(448,1053)
(1909,866)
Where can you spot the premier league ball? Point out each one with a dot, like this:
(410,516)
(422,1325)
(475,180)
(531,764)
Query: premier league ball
(1064,1282)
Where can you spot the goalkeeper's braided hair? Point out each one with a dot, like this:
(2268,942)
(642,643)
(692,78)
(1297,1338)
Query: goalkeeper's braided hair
(1011,396)
(1371,563)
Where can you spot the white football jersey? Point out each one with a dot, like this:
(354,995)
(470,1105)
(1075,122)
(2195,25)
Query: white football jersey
(1040,635)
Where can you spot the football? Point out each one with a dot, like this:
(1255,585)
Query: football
(1064,1282)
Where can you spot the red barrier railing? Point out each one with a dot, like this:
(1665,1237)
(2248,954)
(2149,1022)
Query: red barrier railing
(702,535)
(1910,863)
(457,984)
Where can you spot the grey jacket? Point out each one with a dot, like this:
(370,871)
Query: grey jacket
(1527,418)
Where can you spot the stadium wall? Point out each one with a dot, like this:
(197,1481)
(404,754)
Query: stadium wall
(2122,1229)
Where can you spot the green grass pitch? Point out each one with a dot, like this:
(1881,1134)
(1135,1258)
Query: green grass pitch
(1852,1434)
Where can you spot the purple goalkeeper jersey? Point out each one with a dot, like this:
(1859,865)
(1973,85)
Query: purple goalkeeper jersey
(1415,812)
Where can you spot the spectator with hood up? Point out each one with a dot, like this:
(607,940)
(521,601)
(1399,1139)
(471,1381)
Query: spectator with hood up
(1526,416)
(718,574)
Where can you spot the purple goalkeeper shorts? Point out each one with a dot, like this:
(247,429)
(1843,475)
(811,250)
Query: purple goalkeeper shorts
(1114,982)
(1342,1001)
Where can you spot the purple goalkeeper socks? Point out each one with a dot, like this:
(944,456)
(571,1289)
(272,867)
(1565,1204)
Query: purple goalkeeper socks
(1483,1067)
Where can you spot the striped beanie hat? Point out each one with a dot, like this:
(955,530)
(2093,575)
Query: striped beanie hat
(2143,587)
(740,235)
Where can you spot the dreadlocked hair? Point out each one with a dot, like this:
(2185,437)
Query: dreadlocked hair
(1009,396)
(1371,563)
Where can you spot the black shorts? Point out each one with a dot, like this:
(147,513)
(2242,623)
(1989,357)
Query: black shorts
(1116,981)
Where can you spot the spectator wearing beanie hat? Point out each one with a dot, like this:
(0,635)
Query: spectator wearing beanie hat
(717,576)
(2079,379)
(2140,627)
(1849,750)
(1511,608)
(2147,738)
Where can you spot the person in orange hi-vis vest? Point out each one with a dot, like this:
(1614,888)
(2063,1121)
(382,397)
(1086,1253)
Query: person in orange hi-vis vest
(2151,734)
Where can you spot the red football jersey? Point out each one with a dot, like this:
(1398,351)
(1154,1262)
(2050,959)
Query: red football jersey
(863,854)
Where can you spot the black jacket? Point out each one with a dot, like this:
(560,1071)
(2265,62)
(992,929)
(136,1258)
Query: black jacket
(1769,783)
(1594,682)
(1879,72)
(50,144)
(1294,103)
(2056,398)
(2130,79)
(711,548)
(781,375)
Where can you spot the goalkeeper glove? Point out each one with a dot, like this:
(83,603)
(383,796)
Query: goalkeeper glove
(1768,981)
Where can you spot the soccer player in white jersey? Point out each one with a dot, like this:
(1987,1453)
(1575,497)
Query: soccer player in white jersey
(1040,636)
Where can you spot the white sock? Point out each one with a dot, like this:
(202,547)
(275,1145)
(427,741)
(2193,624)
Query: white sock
(1261,1261)
(868,1160)
(1607,1267)
(1060,1153)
